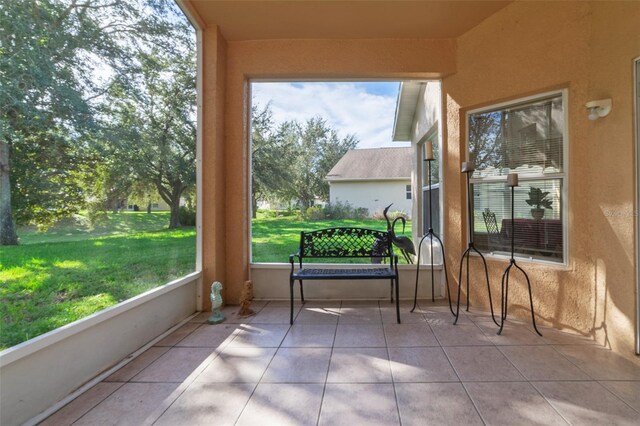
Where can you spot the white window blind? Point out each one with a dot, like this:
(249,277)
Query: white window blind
(526,138)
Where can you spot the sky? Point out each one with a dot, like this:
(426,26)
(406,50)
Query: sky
(364,109)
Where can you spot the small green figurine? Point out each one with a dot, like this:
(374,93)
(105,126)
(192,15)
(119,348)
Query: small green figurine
(216,302)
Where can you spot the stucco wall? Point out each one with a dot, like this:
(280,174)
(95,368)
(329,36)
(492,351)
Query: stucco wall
(372,195)
(587,48)
(228,69)
(526,48)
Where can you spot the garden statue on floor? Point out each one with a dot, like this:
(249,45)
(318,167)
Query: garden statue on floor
(216,302)
(245,300)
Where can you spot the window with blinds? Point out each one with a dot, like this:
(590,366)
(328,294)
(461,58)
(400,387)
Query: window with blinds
(527,138)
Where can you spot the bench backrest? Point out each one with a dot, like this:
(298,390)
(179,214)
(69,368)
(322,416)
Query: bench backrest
(345,242)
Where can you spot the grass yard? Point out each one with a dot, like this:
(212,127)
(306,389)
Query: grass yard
(275,239)
(72,271)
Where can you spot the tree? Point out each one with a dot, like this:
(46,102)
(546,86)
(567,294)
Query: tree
(152,119)
(49,50)
(318,149)
(272,154)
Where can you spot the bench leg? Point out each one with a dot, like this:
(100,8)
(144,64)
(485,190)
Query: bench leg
(301,293)
(291,300)
(391,292)
(398,299)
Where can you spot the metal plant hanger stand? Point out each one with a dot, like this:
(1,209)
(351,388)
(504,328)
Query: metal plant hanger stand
(512,181)
(467,169)
(431,235)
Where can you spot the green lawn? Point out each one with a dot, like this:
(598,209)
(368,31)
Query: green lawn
(73,270)
(275,239)
(57,277)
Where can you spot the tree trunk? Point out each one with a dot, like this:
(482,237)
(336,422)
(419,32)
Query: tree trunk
(8,236)
(254,206)
(175,213)
(149,208)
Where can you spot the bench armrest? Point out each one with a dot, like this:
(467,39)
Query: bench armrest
(292,262)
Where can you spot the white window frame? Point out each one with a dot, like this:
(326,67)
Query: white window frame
(564,176)
(432,135)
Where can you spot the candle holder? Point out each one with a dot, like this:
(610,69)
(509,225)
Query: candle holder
(431,235)
(468,169)
(512,181)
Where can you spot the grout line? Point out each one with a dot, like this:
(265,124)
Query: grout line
(99,378)
(616,395)
(324,388)
(393,382)
(473,403)
(188,381)
(532,384)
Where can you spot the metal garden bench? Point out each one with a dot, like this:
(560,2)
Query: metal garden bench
(341,243)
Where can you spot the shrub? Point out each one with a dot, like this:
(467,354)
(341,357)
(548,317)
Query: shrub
(187,216)
(333,211)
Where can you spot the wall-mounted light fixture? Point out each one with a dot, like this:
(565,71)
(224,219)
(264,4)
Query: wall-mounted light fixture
(599,108)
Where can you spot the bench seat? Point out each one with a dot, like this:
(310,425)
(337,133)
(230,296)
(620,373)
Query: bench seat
(343,274)
(344,243)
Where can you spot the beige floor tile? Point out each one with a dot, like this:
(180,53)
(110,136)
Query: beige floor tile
(175,365)
(318,315)
(260,335)
(238,365)
(420,365)
(269,315)
(360,336)
(210,336)
(557,337)
(201,317)
(440,306)
(435,404)
(231,314)
(137,365)
(460,335)
(512,403)
(481,363)
(283,404)
(81,405)
(445,318)
(129,405)
(405,335)
(298,365)
(600,363)
(359,404)
(359,365)
(587,403)
(285,303)
(512,334)
(175,337)
(542,363)
(310,336)
(629,392)
(208,404)
(476,315)
(324,304)
(360,315)
(388,313)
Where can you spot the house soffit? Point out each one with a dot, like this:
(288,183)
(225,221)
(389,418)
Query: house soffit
(264,20)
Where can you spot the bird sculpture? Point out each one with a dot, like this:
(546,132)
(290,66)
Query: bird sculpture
(404,244)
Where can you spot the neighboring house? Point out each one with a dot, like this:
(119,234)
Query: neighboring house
(373,179)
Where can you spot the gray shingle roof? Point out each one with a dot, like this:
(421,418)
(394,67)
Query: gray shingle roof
(375,163)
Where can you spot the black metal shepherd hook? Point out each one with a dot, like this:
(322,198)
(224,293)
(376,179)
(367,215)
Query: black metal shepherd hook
(467,169)
(431,235)
(512,181)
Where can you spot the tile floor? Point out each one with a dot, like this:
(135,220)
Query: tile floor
(350,363)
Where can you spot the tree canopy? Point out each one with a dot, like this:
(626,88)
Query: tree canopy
(291,161)
(66,64)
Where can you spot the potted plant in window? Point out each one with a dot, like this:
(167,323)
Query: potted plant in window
(540,201)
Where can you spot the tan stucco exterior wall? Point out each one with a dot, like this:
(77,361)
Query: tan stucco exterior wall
(226,156)
(526,48)
(588,49)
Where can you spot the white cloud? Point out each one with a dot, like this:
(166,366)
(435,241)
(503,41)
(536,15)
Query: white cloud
(347,107)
